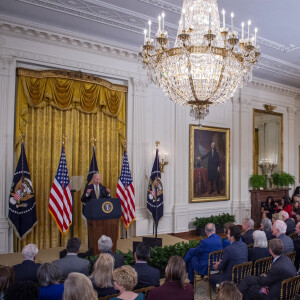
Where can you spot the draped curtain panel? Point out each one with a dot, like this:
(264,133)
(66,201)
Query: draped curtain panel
(51,104)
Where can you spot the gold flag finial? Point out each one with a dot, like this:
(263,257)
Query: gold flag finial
(93,141)
(22,137)
(124,144)
(63,138)
(157,143)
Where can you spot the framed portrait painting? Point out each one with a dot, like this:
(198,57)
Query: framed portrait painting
(209,164)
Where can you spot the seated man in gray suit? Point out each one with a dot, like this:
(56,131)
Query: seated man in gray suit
(105,245)
(279,230)
(71,262)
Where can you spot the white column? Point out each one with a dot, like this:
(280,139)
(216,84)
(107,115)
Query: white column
(292,148)
(137,151)
(6,157)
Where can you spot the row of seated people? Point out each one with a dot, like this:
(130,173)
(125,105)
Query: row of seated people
(237,251)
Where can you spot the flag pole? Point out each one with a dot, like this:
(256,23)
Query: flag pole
(157,167)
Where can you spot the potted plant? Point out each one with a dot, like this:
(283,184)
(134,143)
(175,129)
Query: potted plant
(258,181)
(219,221)
(283,179)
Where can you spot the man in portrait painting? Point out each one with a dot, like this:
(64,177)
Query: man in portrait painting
(213,167)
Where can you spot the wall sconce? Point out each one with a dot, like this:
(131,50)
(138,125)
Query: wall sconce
(163,162)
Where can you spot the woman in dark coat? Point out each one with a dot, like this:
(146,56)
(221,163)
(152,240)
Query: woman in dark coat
(260,248)
(268,208)
(174,286)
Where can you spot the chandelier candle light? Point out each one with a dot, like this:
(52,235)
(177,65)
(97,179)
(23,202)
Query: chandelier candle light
(207,63)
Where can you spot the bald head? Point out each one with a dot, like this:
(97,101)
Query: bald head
(96,179)
(210,229)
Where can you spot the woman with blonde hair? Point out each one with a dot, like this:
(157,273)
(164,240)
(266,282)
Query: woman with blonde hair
(79,287)
(228,291)
(125,279)
(101,277)
(276,217)
(174,287)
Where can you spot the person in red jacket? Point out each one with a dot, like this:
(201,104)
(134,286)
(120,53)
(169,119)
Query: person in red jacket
(287,206)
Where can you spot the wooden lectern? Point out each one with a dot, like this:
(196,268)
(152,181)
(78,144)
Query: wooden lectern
(103,218)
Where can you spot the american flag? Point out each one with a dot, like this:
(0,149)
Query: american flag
(125,191)
(60,203)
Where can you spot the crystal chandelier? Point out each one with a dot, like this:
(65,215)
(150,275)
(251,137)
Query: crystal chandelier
(207,63)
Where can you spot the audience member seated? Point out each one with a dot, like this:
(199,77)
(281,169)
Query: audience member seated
(7,278)
(147,276)
(296,195)
(276,217)
(226,227)
(22,290)
(260,247)
(290,224)
(248,229)
(266,226)
(49,276)
(27,270)
(297,215)
(286,205)
(295,208)
(125,279)
(267,286)
(268,208)
(228,291)
(279,230)
(234,254)
(71,262)
(78,287)
(102,275)
(105,245)
(297,246)
(197,258)
(174,286)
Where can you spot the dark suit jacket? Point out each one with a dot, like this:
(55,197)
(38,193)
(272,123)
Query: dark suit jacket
(287,242)
(201,253)
(269,235)
(281,269)
(147,276)
(247,237)
(72,263)
(27,270)
(291,225)
(103,193)
(234,254)
(119,259)
(213,164)
(297,249)
(171,290)
(256,253)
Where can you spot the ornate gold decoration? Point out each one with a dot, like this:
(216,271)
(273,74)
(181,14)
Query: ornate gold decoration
(207,63)
(63,138)
(93,142)
(269,107)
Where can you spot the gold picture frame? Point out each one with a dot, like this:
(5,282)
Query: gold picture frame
(209,170)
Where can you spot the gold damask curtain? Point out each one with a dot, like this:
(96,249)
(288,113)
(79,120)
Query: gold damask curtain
(51,104)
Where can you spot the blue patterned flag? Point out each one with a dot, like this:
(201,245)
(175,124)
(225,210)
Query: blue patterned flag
(93,168)
(155,193)
(22,209)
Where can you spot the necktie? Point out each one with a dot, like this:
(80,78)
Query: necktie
(97,191)
(212,153)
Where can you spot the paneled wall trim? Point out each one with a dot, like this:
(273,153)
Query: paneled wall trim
(150,117)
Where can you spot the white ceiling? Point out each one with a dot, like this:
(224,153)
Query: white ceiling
(123,21)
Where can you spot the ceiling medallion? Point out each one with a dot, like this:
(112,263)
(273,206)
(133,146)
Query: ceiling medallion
(207,63)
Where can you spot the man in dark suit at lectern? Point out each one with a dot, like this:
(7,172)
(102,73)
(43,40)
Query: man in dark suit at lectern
(95,190)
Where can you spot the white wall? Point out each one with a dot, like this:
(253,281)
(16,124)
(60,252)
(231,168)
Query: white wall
(150,117)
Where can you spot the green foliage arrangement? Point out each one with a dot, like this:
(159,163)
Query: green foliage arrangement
(159,255)
(283,179)
(219,220)
(258,181)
